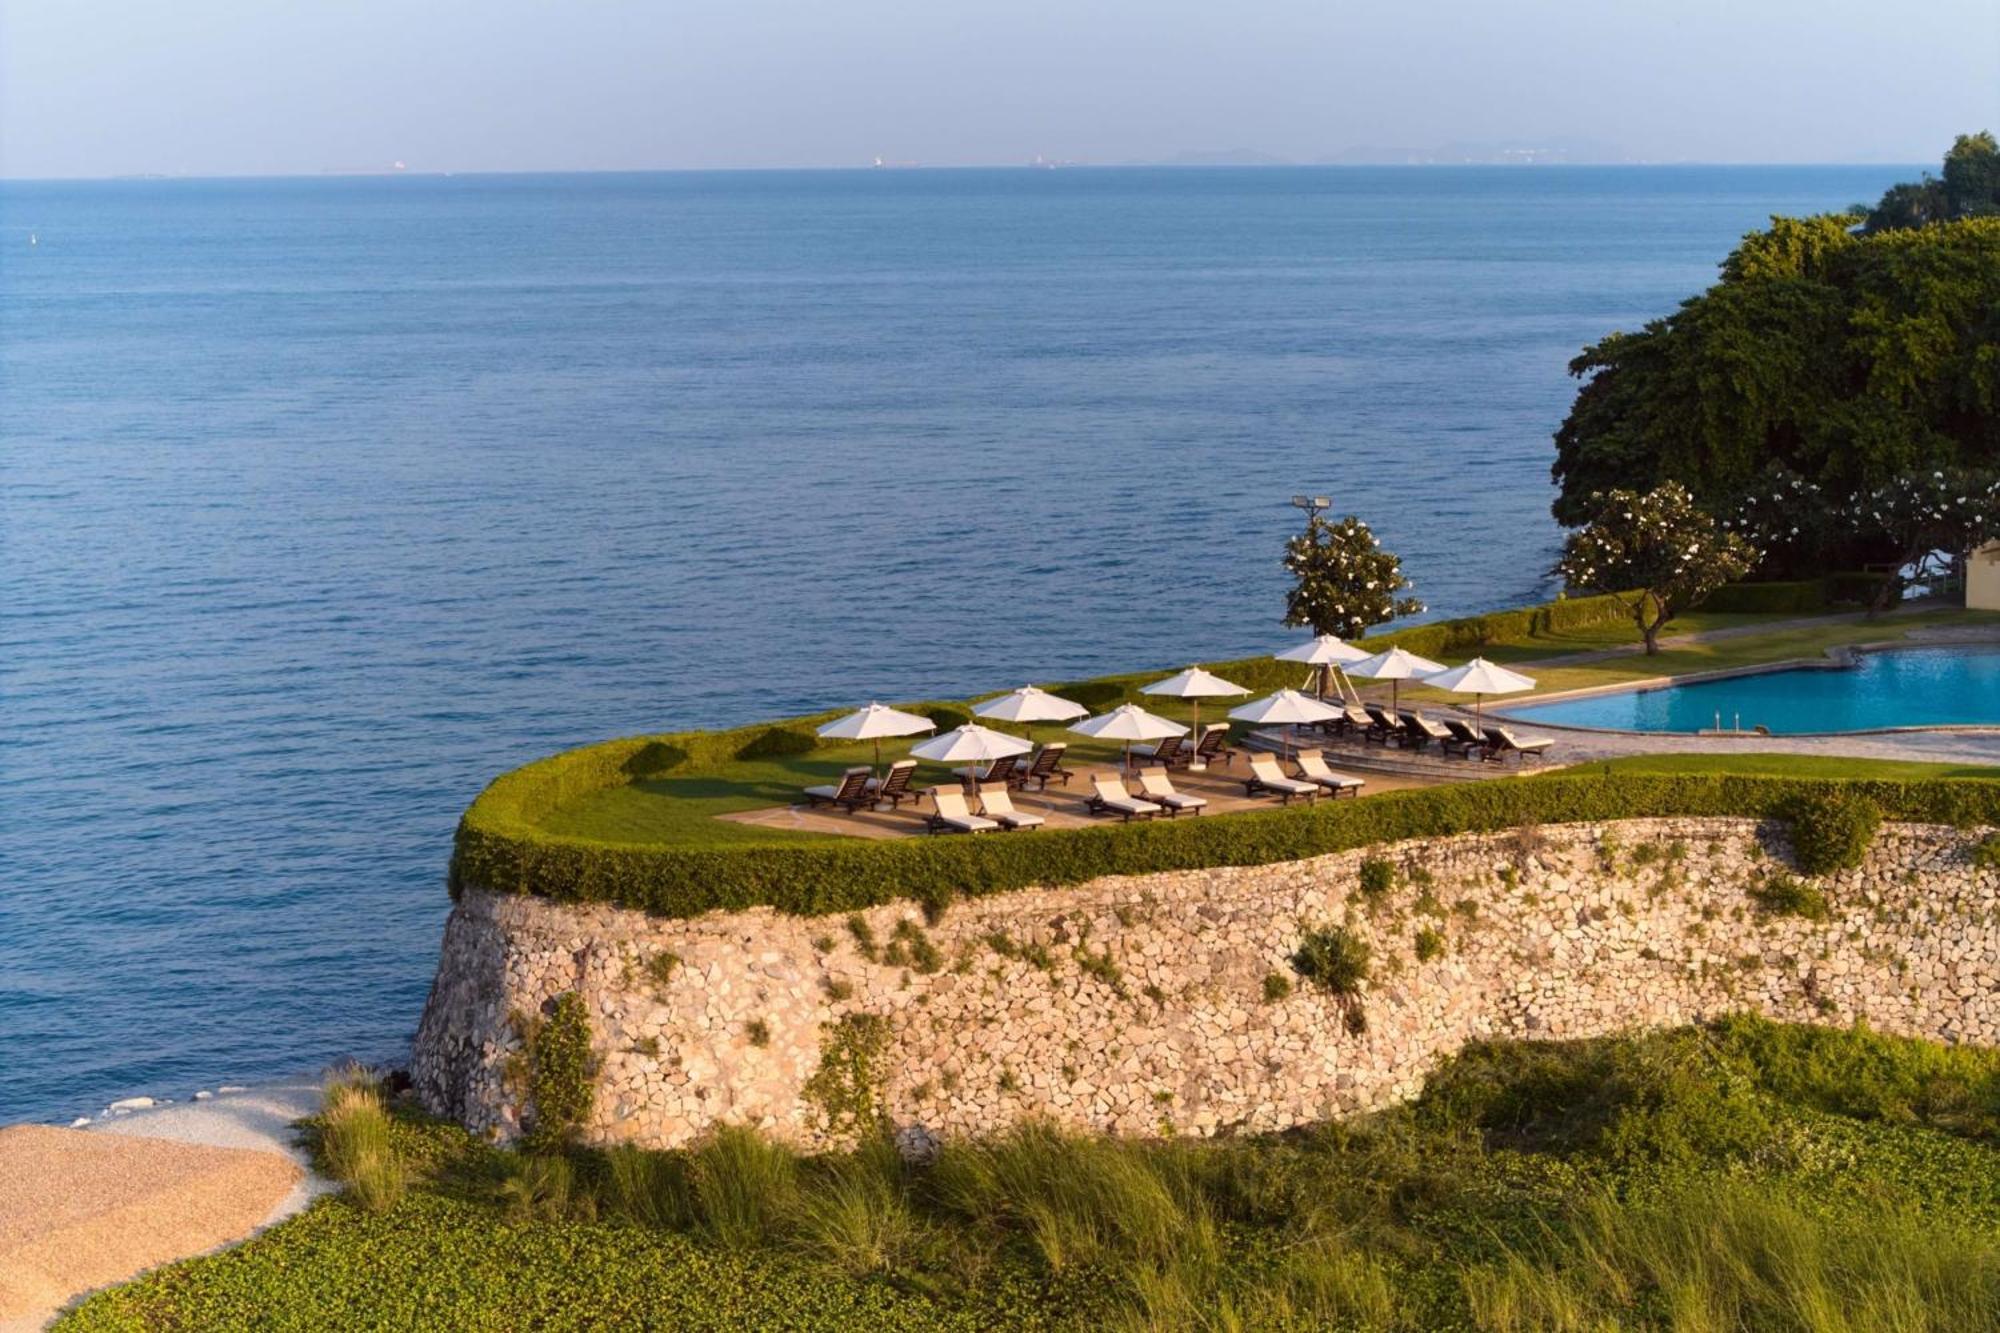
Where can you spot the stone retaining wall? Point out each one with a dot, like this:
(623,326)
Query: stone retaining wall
(1139,1005)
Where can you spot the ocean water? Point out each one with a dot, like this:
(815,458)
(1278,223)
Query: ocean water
(1915,687)
(324,501)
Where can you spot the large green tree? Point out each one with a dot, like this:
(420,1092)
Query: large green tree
(1970,188)
(1848,359)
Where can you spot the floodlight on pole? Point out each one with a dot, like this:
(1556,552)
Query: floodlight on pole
(1312,505)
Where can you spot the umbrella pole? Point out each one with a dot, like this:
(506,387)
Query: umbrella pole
(1194,760)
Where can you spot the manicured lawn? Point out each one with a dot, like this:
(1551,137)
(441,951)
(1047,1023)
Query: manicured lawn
(1789,766)
(1742,1175)
(679,809)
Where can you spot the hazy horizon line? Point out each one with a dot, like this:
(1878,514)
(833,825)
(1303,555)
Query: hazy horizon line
(363,173)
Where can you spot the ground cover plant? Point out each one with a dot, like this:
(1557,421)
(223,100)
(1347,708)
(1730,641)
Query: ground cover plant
(1740,1175)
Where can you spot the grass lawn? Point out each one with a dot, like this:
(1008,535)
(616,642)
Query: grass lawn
(1741,1175)
(680,809)
(1788,766)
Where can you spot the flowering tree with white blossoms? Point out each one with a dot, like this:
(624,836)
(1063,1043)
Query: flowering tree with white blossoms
(1921,516)
(1346,581)
(1657,552)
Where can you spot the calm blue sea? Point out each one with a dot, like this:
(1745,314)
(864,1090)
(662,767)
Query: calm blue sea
(324,501)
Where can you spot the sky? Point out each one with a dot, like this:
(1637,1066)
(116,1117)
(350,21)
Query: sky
(263,87)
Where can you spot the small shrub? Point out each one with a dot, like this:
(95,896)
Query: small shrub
(1787,895)
(356,1141)
(661,966)
(1277,986)
(1986,852)
(838,990)
(647,1046)
(1008,1082)
(864,936)
(778,742)
(1832,830)
(758,1031)
(856,1215)
(937,899)
(1153,993)
(647,1188)
(538,1188)
(1377,877)
(742,1187)
(1333,959)
(1099,965)
(910,945)
(1430,945)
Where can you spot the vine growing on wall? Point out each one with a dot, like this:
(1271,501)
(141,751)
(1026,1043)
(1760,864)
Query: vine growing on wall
(846,1087)
(559,1071)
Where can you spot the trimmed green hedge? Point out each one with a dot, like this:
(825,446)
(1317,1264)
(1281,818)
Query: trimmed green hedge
(497,850)
(1802,597)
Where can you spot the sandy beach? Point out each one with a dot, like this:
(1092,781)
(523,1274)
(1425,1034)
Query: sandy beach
(82,1208)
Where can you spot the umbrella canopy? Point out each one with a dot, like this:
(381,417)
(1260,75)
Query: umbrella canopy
(1286,709)
(1128,723)
(1480,678)
(1194,685)
(1324,650)
(1395,666)
(873,723)
(970,744)
(1030,704)
(1328,652)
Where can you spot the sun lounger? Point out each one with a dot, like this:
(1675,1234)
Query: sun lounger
(1419,731)
(1158,788)
(1046,764)
(1500,741)
(851,791)
(950,814)
(1110,797)
(1265,775)
(1213,746)
(895,784)
(1312,768)
(1381,727)
(1464,740)
(1167,752)
(1000,770)
(996,804)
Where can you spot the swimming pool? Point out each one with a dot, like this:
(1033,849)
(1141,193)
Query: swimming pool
(1905,687)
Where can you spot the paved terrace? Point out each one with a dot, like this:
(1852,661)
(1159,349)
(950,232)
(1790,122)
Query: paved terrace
(1064,807)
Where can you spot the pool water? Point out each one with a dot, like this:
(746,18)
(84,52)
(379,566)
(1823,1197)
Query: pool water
(1908,687)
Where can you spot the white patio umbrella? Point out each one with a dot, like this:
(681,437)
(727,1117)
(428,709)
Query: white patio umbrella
(1480,678)
(971,745)
(873,723)
(1028,705)
(1128,723)
(1328,652)
(1194,685)
(1285,709)
(1394,666)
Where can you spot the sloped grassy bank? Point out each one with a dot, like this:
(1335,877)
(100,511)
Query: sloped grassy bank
(1739,1175)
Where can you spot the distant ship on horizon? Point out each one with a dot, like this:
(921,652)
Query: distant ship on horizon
(883,165)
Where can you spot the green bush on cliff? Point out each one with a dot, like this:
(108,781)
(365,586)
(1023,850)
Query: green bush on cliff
(505,855)
(1832,830)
